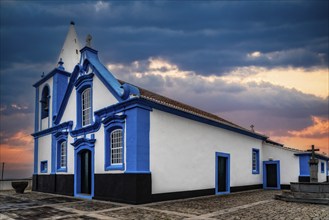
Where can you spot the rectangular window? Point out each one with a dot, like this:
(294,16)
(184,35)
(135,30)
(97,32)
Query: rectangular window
(44,166)
(255,161)
(86,107)
(116,147)
(322,167)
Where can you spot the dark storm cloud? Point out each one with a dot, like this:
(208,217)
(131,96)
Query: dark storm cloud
(205,37)
(211,37)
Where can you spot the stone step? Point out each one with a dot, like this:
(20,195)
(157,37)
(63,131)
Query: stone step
(305,195)
(323,201)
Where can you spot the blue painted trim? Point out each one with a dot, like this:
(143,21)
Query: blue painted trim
(318,156)
(257,161)
(36,116)
(83,82)
(94,127)
(35,169)
(149,105)
(60,137)
(277,162)
(53,155)
(50,74)
(322,167)
(80,145)
(65,125)
(60,83)
(43,166)
(228,162)
(75,74)
(111,123)
(80,141)
(137,139)
(304,168)
(90,59)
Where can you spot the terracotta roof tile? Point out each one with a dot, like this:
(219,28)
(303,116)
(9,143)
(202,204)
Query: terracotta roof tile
(156,98)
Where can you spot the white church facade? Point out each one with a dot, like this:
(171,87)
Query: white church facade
(99,137)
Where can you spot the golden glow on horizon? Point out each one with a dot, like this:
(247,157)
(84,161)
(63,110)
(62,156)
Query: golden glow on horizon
(313,82)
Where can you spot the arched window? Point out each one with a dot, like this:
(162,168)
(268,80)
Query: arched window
(45,102)
(63,156)
(116,147)
(86,106)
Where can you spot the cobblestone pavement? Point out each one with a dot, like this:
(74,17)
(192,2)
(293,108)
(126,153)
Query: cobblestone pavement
(258,204)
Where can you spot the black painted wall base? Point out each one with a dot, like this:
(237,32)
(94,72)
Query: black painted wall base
(54,183)
(244,188)
(304,179)
(128,188)
(285,186)
(182,194)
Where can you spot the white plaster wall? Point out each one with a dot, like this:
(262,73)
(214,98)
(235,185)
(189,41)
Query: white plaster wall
(99,151)
(322,177)
(182,154)
(289,163)
(102,97)
(44,152)
(70,156)
(43,124)
(70,110)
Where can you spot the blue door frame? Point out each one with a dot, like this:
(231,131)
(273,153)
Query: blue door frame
(227,156)
(277,163)
(77,172)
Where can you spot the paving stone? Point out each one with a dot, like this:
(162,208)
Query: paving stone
(142,214)
(246,205)
(91,205)
(35,213)
(79,217)
(57,199)
(279,210)
(204,205)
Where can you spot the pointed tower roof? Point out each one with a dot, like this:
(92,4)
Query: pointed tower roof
(70,52)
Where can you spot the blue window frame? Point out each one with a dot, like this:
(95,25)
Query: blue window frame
(255,161)
(60,151)
(84,100)
(44,166)
(322,167)
(114,143)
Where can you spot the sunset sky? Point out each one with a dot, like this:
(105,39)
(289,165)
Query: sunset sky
(261,63)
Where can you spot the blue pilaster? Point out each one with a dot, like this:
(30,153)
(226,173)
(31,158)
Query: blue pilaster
(35,170)
(60,83)
(138,139)
(53,154)
(36,128)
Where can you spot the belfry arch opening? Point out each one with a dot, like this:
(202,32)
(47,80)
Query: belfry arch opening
(45,97)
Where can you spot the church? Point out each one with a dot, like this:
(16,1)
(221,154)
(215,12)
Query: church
(97,137)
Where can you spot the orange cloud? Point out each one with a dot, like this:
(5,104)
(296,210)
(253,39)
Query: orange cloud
(317,134)
(320,128)
(16,152)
